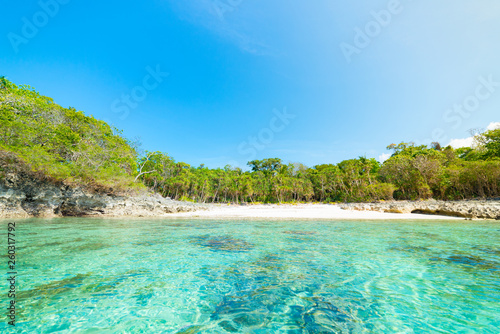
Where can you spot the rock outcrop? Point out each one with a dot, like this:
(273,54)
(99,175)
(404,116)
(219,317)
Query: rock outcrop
(24,196)
(473,209)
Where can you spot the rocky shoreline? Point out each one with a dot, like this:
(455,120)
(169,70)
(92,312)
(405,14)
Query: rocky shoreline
(22,197)
(470,209)
(78,203)
(25,196)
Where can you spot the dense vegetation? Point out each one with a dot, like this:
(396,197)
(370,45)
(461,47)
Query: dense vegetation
(411,173)
(63,142)
(68,145)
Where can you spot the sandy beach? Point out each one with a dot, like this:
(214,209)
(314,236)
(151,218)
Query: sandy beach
(301,211)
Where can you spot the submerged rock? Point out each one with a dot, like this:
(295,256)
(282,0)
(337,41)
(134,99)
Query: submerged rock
(190,330)
(300,232)
(469,261)
(52,289)
(224,243)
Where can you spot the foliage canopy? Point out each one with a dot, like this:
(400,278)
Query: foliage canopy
(68,145)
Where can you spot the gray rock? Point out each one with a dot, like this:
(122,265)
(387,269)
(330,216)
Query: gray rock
(23,197)
(470,209)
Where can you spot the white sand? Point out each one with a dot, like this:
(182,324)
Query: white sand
(301,211)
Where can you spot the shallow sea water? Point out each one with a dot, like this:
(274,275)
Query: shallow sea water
(198,276)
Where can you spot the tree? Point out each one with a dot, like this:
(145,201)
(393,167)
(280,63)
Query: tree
(436,146)
(267,166)
(491,141)
(4,83)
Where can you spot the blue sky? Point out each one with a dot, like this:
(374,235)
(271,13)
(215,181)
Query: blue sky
(413,71)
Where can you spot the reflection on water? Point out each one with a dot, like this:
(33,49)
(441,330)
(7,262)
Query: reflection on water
(180,276)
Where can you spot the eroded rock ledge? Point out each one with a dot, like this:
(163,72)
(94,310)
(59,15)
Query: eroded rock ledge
(24,197)
(473,209)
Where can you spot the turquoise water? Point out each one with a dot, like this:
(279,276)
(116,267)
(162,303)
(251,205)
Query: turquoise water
(182,276)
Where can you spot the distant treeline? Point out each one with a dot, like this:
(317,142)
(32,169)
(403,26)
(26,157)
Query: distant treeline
(412,172)
(68,145)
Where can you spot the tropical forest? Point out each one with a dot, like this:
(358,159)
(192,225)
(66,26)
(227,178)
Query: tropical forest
(70,146)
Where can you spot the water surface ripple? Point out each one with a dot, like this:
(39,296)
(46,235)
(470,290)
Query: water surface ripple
(195,276)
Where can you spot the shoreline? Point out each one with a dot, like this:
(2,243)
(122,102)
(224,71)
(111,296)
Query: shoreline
(43,200)
(308,211)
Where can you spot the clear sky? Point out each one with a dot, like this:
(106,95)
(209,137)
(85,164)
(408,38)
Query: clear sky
(307,81)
